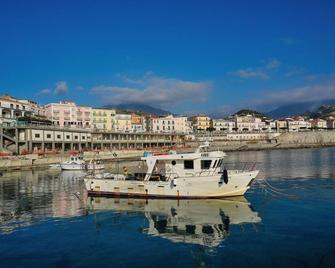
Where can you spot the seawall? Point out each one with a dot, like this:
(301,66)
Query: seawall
(33,160)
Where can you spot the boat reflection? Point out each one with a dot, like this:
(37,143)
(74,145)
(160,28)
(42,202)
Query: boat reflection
(202,222)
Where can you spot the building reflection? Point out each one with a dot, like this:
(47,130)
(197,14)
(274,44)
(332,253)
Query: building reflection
(202,222)
(29,196)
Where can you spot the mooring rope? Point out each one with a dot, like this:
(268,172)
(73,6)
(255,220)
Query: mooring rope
(272,188)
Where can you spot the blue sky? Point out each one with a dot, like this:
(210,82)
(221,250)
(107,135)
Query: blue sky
(184,56)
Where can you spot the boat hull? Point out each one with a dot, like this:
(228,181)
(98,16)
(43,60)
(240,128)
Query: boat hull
(181,188)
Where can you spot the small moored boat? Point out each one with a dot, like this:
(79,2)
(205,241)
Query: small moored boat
(76,162)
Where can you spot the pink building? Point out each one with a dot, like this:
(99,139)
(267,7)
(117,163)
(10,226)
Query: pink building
(68,114)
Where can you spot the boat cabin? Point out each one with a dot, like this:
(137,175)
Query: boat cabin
(163,167)
(76,158)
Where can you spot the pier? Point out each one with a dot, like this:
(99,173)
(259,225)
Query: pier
(29,139)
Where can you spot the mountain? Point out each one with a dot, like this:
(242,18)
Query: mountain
(301,108)
(245,112)
(323,111)
(139,108)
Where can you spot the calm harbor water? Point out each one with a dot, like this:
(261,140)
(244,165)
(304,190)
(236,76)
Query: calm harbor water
(286,221)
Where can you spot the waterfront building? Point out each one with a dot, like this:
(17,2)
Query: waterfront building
(270,125)
(297,124)
(169,124)
(318,123)
(138,123)
(201,122)
(248,123)
(281,124)
(331,123)
(12,108)
(68,114)
(103,118)
(123,122)
(226,125)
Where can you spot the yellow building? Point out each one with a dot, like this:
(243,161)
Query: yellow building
(103,118)
(201,122)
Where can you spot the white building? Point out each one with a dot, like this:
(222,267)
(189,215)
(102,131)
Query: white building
(223,125)
(298,124)
(68,114)
(318,123)
(123,123)
(169,124)
(249,123)
(138,123)
(12,108)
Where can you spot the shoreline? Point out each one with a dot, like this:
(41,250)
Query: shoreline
(29,162)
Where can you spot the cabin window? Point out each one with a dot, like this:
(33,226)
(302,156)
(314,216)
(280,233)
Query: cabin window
(214,166)
(206,164)
(188,164)
(220,163)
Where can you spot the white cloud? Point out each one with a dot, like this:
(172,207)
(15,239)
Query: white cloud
(312,92)
(250,73)
(44,92)
(261,72)
(61,88)
(154,90)
(294,71)
(272,64)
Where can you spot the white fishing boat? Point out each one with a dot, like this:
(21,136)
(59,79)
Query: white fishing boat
(76,162)
(199,174)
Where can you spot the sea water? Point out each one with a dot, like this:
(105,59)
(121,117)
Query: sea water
(286,219)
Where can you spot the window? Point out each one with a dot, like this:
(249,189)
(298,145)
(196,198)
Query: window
(76,137)
(58,137)
(48,136)
(220,163)
(214,166)
(37,135)
(83,137)
(206,164)
(188,164)
(68,137)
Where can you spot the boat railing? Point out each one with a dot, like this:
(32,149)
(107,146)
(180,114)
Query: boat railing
(238,167)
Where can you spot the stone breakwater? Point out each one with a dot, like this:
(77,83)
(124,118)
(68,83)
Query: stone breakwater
(289,140)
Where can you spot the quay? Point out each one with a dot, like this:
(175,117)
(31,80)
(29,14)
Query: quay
(29,139)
